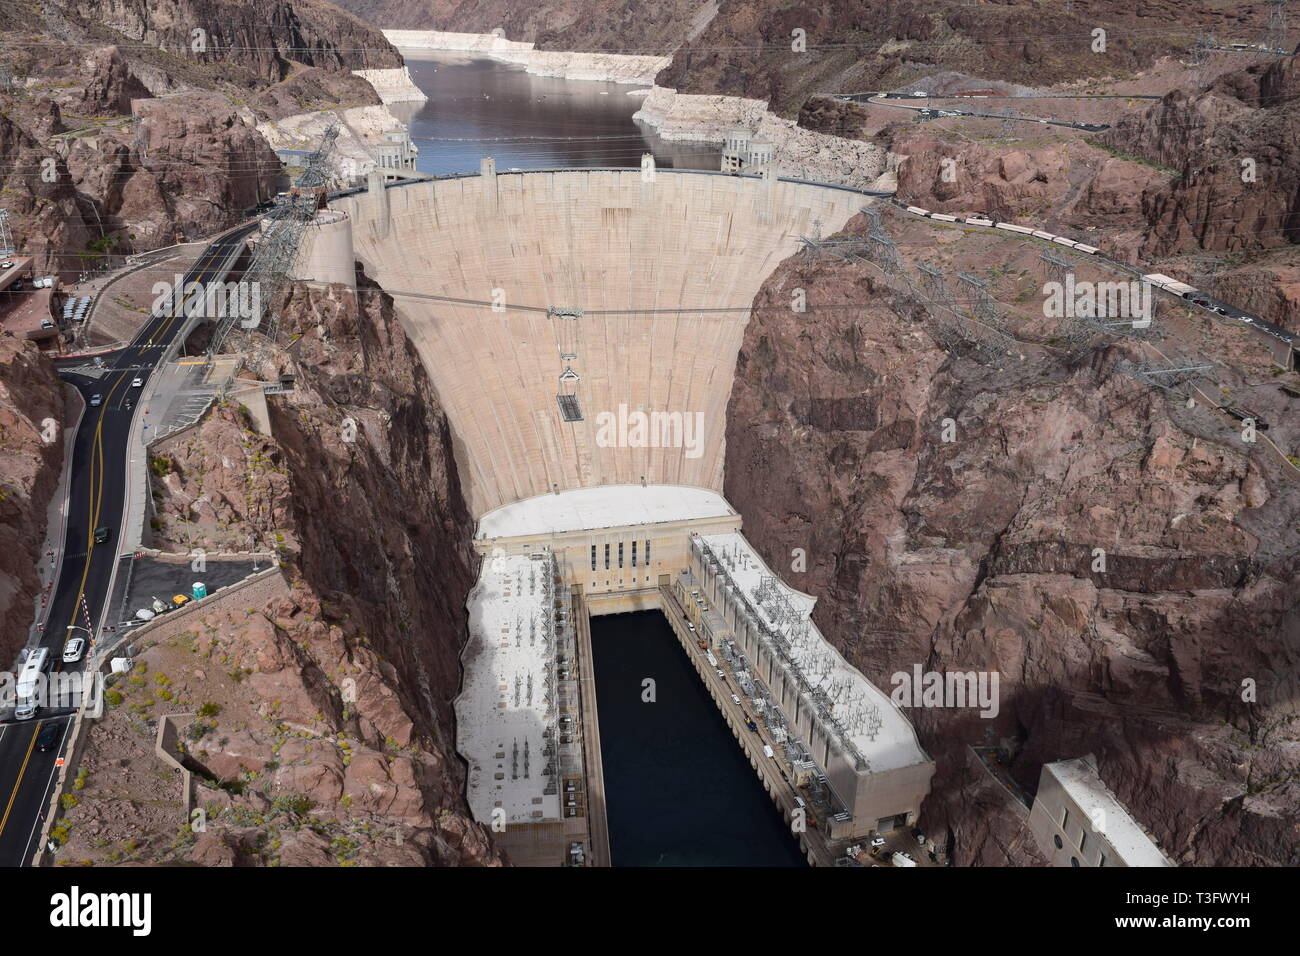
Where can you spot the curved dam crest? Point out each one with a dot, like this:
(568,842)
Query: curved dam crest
(638,269)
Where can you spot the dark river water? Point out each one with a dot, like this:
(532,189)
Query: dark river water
(679,790)
(479,107)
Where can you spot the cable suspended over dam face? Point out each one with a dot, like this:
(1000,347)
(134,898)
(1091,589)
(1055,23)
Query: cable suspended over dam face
(637,286)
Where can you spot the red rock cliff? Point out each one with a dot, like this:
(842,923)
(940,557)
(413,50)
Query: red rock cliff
(977,554)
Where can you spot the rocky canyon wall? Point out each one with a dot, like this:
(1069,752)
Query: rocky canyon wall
(344,678)
(118,136)
(978,554)
(31,461)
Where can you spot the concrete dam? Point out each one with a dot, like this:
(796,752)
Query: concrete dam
(637,272)
(581,328)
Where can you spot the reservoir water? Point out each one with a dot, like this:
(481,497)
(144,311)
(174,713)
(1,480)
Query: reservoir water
(679,790)
(481,107)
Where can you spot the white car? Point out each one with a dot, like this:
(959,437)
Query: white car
(877,843)
(144,614)
(72,650)
(902,859)
(137,382)
(735,699)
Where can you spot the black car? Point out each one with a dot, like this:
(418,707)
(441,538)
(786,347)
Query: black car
(49,736)
(101,535)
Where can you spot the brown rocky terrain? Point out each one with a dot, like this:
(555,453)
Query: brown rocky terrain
(304,752)
(743,47)
(977,554)
(30,466)
(116,137)
(334,691)
(605,25)
(1236,147)
(1066,182)
(264,38)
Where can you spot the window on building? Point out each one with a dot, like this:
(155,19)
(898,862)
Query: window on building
(647,551)
(634,554)
(1056,838)
(1074,861)
(606,557)
(620,554)
(1083,840)
(1065,814)
(1102,860)
(593,557)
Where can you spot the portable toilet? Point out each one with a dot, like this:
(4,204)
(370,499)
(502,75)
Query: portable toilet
(199,590)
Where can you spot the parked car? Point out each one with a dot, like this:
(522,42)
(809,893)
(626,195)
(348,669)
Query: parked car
(735,699)
(144,614)
(73,650)
(877,842)
(96,400)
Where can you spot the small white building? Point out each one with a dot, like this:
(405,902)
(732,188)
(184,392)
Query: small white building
(735,150)
(1077,821)
(741,153)
(395,155)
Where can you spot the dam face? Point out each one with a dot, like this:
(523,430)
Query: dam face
(628,297)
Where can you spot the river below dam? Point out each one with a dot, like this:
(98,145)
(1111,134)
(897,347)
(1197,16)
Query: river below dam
(679,790)
(481,107)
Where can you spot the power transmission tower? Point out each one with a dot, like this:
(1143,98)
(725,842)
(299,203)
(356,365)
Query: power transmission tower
(1201,54)
(1055,267)
(1008,128)
(6,237)
(1275,35)
(875,214)
(882,251)
(282,232)
(1170,375)
(940,306)
(987,330)
(1205,272)
(986,310)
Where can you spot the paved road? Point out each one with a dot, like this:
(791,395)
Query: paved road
(96,498)
(939,112)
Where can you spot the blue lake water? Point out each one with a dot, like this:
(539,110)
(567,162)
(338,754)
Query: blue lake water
(480,107)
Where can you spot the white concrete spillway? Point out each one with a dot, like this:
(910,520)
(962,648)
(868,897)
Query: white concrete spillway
(646,263)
